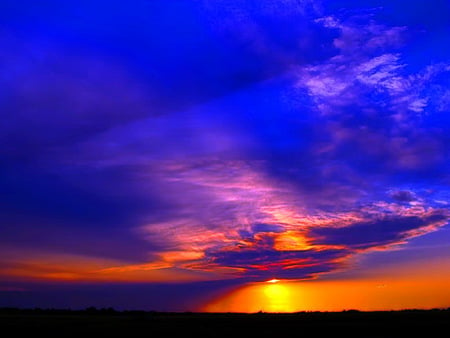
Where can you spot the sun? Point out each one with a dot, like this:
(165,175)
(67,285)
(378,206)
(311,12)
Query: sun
(273,280)
(276,296)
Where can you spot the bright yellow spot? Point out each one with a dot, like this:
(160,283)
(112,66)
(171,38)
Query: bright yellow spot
(277,297)
(255,297)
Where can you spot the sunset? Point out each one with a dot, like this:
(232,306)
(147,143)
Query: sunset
(225,156)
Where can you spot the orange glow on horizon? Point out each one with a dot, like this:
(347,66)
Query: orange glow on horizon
(425,286)
(333,296)
(46,266)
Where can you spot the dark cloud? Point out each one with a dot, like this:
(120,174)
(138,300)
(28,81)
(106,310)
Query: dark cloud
(266,228)
(263,263)
(378,232)
(403,195)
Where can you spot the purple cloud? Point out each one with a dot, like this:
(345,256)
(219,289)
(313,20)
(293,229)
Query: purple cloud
(377,233)
(403,195)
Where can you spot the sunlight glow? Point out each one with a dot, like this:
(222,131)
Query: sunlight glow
(273,280)
(277,297)
(425,291)
(254,297)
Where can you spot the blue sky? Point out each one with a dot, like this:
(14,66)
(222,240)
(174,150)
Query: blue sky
(167,142)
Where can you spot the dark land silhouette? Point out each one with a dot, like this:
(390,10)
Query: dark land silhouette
(106,322)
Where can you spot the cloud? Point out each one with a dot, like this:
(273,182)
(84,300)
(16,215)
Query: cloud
(57,95)
(370,101)
(367,73)
(235,218)
(278,35)
(379,233)
(403,195)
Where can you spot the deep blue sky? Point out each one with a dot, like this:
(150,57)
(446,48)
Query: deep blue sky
(218,142)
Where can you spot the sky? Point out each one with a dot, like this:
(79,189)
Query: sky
(177,155)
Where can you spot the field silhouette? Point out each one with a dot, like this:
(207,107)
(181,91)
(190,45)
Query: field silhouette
(108,322)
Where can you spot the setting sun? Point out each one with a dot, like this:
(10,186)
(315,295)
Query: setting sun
(424,286)
(273,281)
